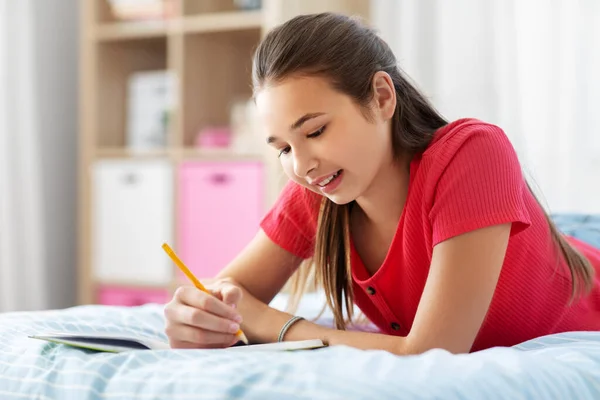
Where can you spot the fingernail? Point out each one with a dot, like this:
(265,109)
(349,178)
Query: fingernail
(238,319)
(233,306)
(233,328)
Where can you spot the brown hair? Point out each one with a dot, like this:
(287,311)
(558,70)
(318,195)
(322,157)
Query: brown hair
(349,54)
(582,271)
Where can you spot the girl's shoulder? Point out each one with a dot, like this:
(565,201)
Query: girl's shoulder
(469,177)
(466,134)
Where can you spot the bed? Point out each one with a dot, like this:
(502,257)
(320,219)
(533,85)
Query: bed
(562,366)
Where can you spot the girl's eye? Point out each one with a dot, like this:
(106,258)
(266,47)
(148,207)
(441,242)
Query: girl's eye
(283,151)
(317,132)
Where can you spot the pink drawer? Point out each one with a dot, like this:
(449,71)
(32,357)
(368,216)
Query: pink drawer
(219,211)
(122,296)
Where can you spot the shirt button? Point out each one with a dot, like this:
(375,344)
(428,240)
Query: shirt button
(371,290)
(395,326)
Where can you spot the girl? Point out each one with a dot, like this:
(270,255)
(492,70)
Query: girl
(427,226)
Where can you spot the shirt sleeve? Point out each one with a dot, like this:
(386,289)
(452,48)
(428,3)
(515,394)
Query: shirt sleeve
(292,221)
(480,184)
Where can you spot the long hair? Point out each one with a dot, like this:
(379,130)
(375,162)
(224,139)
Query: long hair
(348,54)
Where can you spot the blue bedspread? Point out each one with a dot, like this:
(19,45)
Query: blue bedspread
(563,366)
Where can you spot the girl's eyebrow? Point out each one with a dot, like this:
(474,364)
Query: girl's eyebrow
(298,124)
(303,119)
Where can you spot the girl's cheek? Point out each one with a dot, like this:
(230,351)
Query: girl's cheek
(288,168)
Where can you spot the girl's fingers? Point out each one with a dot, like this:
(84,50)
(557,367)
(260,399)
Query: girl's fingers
(177,344)
(185,336)
(196,298)
(229,293)
(198,318)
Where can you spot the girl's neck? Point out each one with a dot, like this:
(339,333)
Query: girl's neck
(382,203)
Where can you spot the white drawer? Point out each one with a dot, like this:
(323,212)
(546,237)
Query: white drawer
(132,206)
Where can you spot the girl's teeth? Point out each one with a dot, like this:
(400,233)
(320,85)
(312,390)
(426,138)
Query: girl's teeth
(326,181)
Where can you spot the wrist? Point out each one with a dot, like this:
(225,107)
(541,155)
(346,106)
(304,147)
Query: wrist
(290,322)
(294,328)
(266,324)
(271,322)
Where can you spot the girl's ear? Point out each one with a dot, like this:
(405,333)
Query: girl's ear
(384,98)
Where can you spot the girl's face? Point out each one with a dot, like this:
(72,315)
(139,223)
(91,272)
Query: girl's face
(323,139)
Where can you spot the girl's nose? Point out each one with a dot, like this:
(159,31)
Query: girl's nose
(303,164)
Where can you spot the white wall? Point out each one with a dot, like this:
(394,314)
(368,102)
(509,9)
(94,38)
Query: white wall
(56,36)
(528,66)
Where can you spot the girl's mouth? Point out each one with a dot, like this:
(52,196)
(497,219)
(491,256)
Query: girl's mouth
(329,184)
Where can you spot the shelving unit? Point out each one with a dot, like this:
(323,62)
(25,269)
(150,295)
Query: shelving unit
(207,46)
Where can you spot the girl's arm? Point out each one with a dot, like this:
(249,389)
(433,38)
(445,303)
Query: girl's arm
(262,268)
(462,279)
(195,319)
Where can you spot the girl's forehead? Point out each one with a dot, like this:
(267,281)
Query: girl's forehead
(281,105)
(296,96)
(295,90)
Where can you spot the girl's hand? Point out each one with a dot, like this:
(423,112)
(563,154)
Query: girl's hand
(195,319)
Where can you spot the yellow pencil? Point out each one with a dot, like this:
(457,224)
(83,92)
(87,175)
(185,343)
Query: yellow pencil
(194,280)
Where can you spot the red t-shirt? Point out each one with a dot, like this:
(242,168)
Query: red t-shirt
(468,178)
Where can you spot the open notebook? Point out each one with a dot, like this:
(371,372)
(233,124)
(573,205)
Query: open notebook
(117,344)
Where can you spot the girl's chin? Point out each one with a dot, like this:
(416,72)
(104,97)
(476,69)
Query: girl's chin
(339,199)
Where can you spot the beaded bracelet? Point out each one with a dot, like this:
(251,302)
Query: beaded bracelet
(287,326)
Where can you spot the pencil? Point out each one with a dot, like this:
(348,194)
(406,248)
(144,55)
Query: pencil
(194,280)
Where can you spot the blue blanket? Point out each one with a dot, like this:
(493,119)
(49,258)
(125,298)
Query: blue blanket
(563,366)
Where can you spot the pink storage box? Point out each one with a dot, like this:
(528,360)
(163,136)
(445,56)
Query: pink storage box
(214,137)
(123,296)
(220,205)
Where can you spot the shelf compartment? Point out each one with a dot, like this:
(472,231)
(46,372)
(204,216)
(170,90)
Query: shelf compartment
(120,152)
(211,86)
(220,22)
(213,22)
(104,12)
(116,62)
(191,154)
(132,30)
(196,7)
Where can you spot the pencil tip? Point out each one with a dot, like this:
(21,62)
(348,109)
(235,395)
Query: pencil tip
(243,337)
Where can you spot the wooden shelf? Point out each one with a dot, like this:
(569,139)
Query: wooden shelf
(132,30)
(131,284)
(207,47)
(119,152)
(217,155)
(179,153)
(213,22)
(223,22)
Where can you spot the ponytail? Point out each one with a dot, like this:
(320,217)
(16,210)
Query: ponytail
(582,271)
(332,259)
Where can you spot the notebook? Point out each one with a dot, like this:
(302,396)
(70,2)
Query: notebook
(118,344)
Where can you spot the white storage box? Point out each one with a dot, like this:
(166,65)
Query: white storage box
(132,216)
